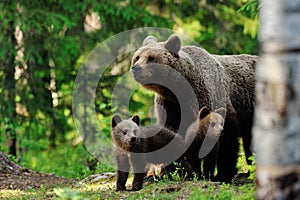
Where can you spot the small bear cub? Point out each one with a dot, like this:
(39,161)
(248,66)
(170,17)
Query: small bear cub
(203,138)
(137,146)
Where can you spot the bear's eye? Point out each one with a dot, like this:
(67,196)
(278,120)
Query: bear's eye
(136,59)
(125,131)
(151,59)
(213,124)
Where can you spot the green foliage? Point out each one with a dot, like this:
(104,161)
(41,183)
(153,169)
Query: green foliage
(141,103)
(104,166)
(242,163)
(221,34)
(177,174)
(66,160)
(252,168)
(250,9)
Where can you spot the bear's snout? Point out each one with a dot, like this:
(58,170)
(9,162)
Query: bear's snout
(133,139)
(136,69)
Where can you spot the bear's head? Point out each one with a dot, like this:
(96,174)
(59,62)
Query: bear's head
(125,133)
(213,122)
(208,123)
(157,65)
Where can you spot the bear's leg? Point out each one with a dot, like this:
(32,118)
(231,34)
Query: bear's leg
(209,163)
(227,157)
(195,163)
(121,180)
(247,138)
(137,183)
(139,165)
(123,167)
(168,112)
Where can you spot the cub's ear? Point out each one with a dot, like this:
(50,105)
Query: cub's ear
(115,120)
(204,111)
(136,119)
(149,40)
(221,111)
(173,44)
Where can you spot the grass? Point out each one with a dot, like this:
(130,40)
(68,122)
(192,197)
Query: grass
(161,190)
(71,161)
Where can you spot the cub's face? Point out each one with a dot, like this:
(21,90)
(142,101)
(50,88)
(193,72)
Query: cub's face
(153,62)
(125,132)
(216,124)
(212,121)
(208,123)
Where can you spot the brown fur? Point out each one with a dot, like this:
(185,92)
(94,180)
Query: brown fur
(132,143)
(208,126)
(217,81)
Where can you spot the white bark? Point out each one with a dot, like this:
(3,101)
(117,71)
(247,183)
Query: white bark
(276,131)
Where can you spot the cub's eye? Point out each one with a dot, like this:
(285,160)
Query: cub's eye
(151,59)
(213,124)
(136,59)
(124,132)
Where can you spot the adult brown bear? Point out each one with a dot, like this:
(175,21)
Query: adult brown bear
(186,78)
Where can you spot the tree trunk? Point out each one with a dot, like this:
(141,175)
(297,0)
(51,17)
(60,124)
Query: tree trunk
(276,129)
(9,106)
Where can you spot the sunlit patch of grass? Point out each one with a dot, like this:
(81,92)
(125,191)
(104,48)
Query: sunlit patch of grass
(41,193)
(242,163)
(12,194)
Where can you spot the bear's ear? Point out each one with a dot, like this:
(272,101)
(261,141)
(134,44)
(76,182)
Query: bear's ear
(204,111)
(149,40)
(136,119)
(221,111)
(115,120)
(173,44)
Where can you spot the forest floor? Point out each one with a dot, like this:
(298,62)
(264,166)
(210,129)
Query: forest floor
(15,178)
(28,184)
(25,179)
(17,182)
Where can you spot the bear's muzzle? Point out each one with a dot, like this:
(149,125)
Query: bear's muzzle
(136,69)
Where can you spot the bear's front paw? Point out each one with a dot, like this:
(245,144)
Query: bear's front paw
(121,188)
(222,179)
(137,187)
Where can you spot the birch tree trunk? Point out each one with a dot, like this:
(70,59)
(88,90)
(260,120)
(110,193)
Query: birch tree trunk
(276,132)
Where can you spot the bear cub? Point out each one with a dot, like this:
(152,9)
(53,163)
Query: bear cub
(137,146)
(203,138)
